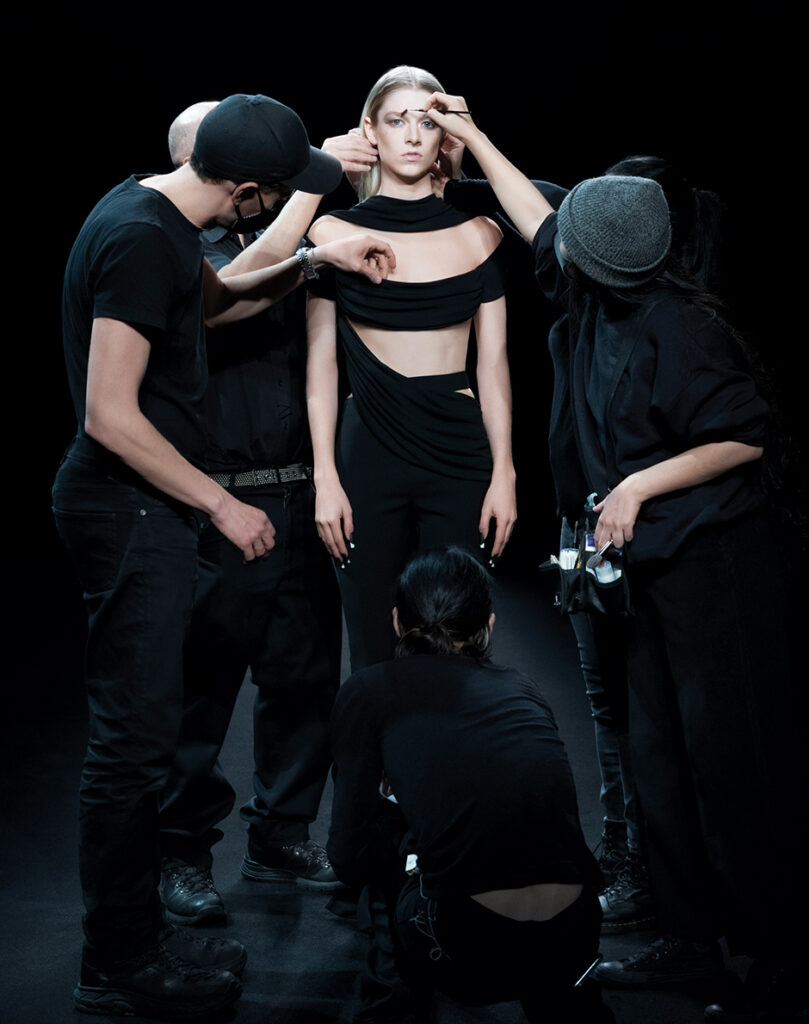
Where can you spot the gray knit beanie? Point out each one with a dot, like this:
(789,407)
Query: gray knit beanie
(616,229)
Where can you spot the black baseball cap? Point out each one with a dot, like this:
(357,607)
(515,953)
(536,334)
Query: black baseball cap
(255,138)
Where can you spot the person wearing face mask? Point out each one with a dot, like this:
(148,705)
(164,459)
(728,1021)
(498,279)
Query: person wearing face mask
(280,616)
(126,499)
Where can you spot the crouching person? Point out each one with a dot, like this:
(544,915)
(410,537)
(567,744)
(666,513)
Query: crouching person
(455,813)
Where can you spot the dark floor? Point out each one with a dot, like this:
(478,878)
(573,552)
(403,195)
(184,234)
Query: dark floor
(303,960)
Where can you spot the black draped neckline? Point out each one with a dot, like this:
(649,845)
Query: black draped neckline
(384,213)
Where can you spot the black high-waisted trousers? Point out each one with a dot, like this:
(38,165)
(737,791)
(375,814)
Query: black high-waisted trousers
(398,509)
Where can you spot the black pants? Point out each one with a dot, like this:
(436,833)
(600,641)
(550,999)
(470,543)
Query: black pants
(136,557)
(602,643)
(398,509)
(713,736)
(279,616)
(478,957)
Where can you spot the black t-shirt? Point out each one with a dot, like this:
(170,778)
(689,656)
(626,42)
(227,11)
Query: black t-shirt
(256,400)
(476,764)
(137,259)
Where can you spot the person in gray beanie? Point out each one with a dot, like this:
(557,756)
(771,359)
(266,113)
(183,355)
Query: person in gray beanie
(616,230)
(658,419)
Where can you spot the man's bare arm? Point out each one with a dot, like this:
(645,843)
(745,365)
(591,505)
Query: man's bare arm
(117,363)
(247,294)
(280,240)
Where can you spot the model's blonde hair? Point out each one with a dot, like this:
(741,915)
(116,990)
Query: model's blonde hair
(401,77)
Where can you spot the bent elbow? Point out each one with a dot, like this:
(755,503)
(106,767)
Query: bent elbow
(100,428)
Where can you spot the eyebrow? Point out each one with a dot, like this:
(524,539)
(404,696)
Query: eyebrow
(401,113)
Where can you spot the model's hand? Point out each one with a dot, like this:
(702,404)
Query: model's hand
(362,254)
(333,518)
(617,514)
(355,153)
(499,504)
(460,125)
(245,526)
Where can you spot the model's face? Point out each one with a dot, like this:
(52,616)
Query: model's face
(407,140)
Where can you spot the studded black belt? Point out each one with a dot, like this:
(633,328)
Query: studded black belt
(260,477)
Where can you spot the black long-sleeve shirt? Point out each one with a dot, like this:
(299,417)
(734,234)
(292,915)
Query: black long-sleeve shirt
(476,764)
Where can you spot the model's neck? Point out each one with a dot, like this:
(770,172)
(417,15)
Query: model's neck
(395,188)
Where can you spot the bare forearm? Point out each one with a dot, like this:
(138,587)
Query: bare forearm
(690,468)
(618,512)
(249,293)
(525,205)
(321,404)
(280,240)
(495,407)
(128,434)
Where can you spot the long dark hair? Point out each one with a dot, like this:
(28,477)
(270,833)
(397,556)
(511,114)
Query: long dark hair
(444,601)
(697,218)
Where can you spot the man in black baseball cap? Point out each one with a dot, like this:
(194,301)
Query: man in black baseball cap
(257,137)
(137,295)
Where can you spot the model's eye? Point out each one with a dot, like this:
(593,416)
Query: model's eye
(426,123)
(395,121)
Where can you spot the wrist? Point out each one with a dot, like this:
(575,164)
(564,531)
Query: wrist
(215,505)
(635,486)
(306,259)
(504,470)
(322,475)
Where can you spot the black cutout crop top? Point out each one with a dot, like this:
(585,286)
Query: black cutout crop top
(412,305)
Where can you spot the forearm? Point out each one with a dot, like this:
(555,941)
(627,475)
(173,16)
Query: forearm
(321,405)
(322,385)
(618,512)
(690,468)
(494,393)
(494,382)
(128,434)
(525,206)
(280,240)
(249,293)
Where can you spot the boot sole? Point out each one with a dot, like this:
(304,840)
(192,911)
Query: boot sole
(209,915)
(111,1002)
(635,924)
(257,872)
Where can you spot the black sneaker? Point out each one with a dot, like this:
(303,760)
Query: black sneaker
(666,962)
(611,851)
(155,984)
(211,954)
(306,863)
(189,894)
(627,905)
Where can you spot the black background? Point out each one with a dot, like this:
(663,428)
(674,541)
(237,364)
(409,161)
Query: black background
(564,92)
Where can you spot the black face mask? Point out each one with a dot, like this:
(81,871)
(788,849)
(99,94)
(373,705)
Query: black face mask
(565,263)
(252,222)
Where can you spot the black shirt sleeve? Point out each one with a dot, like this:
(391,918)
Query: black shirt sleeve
(133,277)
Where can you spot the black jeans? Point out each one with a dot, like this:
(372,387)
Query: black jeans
(280,617)
(136,556)
(603,655)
